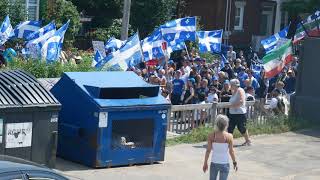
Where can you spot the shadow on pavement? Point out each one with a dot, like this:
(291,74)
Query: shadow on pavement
(65,165)
(310,132)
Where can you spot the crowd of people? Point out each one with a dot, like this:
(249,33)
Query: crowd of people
(193,80)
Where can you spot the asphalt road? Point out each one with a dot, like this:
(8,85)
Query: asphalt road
(288,156)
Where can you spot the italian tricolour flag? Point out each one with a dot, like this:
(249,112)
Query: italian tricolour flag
(311,25)
(275,61)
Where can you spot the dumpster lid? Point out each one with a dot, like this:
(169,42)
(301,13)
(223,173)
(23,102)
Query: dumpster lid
(116,88)
(18,88)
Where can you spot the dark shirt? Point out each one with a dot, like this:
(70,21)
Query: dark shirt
(229,71)
(290,84)
(225,96)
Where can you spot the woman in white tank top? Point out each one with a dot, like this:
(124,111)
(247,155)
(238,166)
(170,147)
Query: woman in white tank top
(220,143)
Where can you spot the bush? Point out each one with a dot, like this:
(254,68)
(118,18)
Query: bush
(41,69)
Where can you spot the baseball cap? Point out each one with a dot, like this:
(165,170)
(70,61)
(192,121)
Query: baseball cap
(214,78)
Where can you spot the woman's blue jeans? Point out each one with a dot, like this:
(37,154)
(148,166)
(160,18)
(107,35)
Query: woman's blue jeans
(222,169)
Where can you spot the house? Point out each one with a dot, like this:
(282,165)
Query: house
(245,22)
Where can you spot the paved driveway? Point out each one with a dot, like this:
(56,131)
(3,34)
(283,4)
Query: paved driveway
(288,156)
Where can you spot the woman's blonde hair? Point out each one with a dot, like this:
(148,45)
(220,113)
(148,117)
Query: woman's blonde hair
(222,122)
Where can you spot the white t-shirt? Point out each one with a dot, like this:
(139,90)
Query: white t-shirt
(212,98)
(187,70)
(273,103)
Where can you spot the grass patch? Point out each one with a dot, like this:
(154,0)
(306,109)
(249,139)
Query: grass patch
(271,126)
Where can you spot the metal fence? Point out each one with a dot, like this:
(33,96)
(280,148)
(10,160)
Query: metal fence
(184,118)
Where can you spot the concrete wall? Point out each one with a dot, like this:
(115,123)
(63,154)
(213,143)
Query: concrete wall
(306,102)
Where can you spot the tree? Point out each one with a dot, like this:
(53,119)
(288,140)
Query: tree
(64,10)
(15,9)
(146,14)
(103,12)
(114,30)
(296,7)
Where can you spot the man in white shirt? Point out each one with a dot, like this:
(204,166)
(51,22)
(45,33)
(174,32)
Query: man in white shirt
(231,54)
(276,104)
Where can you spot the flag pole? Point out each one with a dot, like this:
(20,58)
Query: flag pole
(185,47)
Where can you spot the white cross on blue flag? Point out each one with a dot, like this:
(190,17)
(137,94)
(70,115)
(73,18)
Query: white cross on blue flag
(52,47)
(183,29)
(270,43)
(152,46)
(96,59)
(24,29)
(176,47)
(5,30)
(210,41)
(113,44)
(128,55)
(43,33)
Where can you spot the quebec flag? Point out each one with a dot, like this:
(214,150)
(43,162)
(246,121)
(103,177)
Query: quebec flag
(210,41)
(5,30)
(37,40)
(24,29)
(113,44)
(127,56)
(96,59)
(182,29)
(176,47)
(43,33)
(271,42)
(152,46)
(52,47)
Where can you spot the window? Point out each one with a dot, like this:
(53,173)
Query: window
(239,12)
(32,7)
(11,176)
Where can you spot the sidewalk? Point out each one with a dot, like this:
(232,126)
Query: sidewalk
(288,156)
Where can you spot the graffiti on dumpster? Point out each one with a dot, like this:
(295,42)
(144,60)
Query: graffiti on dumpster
(18,135)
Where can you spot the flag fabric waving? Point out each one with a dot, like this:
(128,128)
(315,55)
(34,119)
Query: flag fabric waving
(113,44)
(51,49)
(311,24)
(24,29)
(176,47)
(38,39)
(96,59)
(128,55)
(43,33)
(182,29)
(275,61)
(5,30)
(152,46)
(210,41)
(271,42)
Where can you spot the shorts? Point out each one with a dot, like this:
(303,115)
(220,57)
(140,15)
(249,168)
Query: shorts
(239,120)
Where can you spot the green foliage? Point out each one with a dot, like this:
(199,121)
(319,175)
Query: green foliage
(146,14)
(271,126)
(295,7)
(102,11)
(114,30)
(41,69)
(15,10)
(62,12)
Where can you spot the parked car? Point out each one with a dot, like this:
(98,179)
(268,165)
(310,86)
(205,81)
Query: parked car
(12,168)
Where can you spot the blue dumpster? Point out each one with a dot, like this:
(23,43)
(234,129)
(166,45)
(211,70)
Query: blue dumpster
(110,119)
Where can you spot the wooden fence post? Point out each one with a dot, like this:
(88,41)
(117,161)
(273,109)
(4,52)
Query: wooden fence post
(214,113)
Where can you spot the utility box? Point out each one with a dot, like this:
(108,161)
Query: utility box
(28,118)
(110,119)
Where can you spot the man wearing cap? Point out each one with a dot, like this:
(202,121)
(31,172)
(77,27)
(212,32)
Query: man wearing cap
(216,84)
(290,82)
(227,68)
(237,66)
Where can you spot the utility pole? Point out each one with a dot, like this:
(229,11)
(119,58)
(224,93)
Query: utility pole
(125,20)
